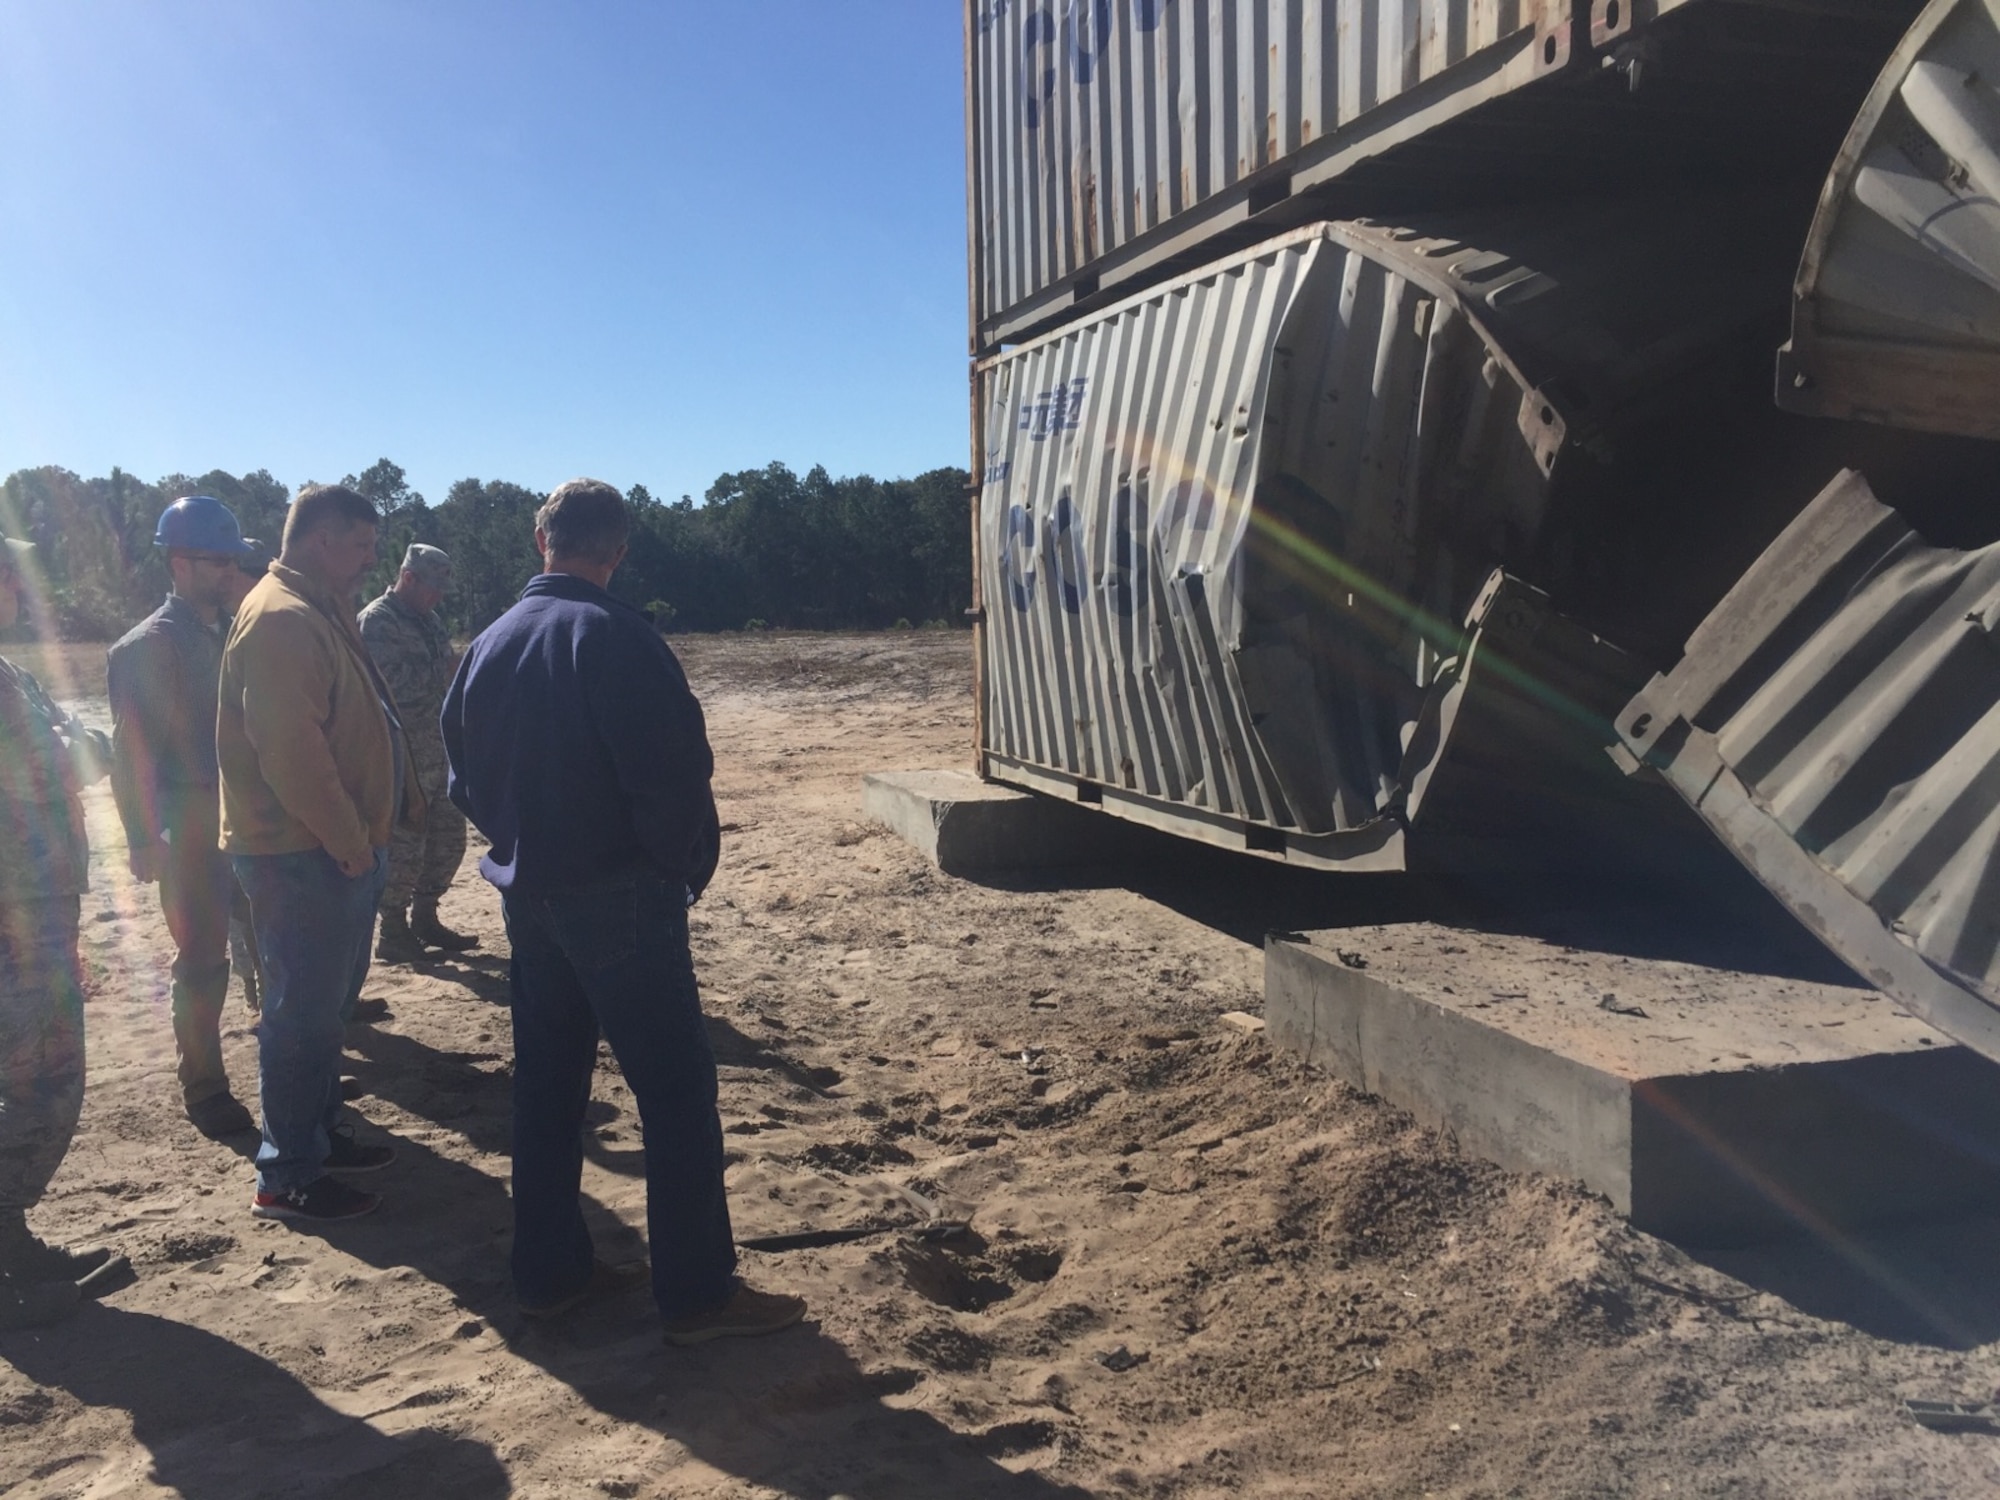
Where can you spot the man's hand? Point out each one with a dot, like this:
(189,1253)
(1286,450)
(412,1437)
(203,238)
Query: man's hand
(89,753)
(359,865)
(146,862)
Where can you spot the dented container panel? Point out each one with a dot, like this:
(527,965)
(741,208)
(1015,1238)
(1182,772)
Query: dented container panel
(1230,530)
(1836,721)
(1203,513)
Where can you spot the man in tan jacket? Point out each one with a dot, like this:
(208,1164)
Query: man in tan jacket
(313,780)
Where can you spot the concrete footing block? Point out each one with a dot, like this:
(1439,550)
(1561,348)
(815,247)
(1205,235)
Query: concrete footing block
(966,826)
(1710,1107)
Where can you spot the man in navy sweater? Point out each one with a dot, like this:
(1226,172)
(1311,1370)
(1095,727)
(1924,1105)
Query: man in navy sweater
(577,748)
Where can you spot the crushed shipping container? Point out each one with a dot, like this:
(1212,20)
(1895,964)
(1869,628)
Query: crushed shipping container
(1234,531)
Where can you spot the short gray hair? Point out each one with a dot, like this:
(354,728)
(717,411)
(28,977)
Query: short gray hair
(585,520)
(431,564)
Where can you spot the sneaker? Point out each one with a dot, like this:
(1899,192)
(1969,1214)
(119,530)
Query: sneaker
(349,1155)
(746,1315)
(350,1087)
(221,1115)
(368,1012)
(606,1280)
(322,1201)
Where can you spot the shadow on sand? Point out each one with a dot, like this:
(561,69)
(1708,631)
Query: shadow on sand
(1712,913)
(222,1422)
(792,1412)
(1929,1282)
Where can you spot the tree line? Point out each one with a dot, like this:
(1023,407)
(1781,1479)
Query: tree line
(766,547)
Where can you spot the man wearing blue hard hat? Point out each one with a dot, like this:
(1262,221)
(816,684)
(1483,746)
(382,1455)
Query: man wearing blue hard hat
(163,680)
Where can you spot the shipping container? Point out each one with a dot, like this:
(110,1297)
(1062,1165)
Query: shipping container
(1240,537)
(1113,143)
(1897,315)
(1836,722)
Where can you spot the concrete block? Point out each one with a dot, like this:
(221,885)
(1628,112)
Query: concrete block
(1710,1106)
(966,826)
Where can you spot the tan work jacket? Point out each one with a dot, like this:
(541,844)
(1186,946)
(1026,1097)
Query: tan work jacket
(303,731)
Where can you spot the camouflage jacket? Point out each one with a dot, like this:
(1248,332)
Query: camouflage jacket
(413,654)
(45,755)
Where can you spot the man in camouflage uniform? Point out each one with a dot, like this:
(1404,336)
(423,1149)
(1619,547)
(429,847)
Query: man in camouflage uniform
(46,757)
(412,650)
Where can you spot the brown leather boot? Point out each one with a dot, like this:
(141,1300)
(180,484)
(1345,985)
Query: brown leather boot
(428,929)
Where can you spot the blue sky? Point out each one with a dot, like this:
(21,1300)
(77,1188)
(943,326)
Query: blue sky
(646,241)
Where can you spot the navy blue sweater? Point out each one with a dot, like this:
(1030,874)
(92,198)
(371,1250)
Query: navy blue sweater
(577,747)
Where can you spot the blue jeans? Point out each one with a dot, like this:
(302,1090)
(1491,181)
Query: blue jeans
(315,927)
(614,958)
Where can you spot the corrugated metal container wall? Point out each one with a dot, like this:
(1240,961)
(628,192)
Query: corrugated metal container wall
(1114,141)
(1230,528)
(1128,459)
(1836,721)
(1100,120)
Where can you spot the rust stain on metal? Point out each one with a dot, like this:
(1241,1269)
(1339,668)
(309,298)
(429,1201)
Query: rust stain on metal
(1200,95)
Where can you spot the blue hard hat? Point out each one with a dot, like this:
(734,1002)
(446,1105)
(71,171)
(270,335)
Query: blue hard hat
(200,523)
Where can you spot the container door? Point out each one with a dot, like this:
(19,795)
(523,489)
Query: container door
(1836,722)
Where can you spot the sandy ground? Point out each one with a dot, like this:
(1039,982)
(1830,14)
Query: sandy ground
(1193,1267)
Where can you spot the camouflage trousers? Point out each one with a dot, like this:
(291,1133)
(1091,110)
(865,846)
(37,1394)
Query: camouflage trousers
(41,1044)
(423,861)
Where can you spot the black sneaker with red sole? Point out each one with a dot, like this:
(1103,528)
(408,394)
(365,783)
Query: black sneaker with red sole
(320,1201)
(346,1154)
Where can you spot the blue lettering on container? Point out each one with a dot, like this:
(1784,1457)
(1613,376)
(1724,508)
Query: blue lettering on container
(1053,411)
(1017,551)
(1066,541)
(1038,30)
(1089,36)
(1124,578)
(1091,24)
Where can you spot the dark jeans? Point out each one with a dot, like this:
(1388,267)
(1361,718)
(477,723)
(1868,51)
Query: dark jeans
(315,928)
(614,958)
